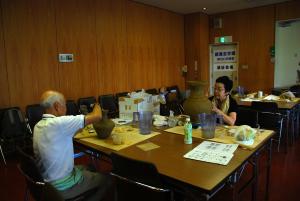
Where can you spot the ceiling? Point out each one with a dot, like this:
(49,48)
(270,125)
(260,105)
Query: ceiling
(212,6)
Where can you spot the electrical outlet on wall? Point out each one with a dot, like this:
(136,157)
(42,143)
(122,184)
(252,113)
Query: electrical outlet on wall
(65,58)
(196,65)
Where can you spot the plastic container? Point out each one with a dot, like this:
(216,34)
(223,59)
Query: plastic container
(145,122)
(172,121)
(208,124)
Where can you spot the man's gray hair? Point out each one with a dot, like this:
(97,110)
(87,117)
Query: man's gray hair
(51,99)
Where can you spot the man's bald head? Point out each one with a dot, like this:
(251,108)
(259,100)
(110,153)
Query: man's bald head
(48,99)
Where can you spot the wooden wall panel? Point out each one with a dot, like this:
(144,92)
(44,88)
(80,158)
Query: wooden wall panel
(139,45)
(192,40)
(4,100)
(118,45)
(196,46)
(253,29)
(29,34)
(111,46)
(151,47)
(288,10)
(203,63)
(176,50)
(76,34)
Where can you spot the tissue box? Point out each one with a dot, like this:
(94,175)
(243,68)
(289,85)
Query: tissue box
(129,105)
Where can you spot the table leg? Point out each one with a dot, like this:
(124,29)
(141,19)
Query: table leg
(269,160)
(255,177)
(287,131)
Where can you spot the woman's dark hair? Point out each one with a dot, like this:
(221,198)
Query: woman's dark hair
(226,81)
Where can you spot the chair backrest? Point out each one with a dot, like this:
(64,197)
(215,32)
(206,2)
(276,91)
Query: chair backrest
(264,106)
(13,123)
(40,190)
(87,102)
(268,116)
(34,114)
(108,102)
(270,120)
(246,116)
(138,180)
(72,108)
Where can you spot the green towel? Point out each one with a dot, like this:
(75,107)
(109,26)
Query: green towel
(70,180)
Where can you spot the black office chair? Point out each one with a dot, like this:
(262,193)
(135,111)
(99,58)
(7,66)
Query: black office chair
(40,190)
(34,114)
(86,104)
(72,108)
(108,102)
(246,116)
(269,117)
(35,184)
(14,131)
(152,91)
(138,180)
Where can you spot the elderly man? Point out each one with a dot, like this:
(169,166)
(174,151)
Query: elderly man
(53,148)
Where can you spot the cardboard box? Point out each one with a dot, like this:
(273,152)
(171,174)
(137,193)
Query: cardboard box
(129,105)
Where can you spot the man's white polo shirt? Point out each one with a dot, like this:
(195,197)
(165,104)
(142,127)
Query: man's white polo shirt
(53,145)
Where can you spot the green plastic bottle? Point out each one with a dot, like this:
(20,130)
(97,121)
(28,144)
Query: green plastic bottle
(188,132)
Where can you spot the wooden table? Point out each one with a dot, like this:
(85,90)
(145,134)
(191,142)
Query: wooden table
(204,179)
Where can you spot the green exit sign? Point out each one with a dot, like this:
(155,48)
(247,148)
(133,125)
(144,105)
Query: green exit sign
(222,39)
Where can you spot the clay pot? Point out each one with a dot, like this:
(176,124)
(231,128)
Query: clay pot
(197,102)
(104,127)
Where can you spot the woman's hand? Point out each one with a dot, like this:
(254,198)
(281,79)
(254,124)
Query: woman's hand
(216,110)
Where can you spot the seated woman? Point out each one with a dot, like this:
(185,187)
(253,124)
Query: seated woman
(222,103)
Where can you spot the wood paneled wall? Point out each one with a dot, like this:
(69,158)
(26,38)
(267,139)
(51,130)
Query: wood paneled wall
(118,45)
(196,46)
(30,49)
(4,98)
(288,10)
(253,29)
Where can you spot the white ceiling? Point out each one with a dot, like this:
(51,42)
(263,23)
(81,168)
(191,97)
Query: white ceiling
(212,6)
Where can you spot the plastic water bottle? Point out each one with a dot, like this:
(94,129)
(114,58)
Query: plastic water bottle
(188,132)
(172,121)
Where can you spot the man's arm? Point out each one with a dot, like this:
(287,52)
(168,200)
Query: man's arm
(94,116)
